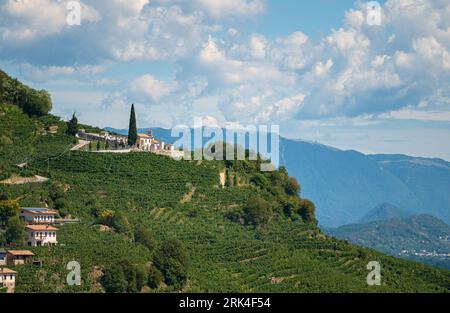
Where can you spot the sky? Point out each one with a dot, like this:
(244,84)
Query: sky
(343,73)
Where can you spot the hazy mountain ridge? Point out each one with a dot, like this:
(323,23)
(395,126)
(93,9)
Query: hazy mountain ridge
(384,211)
(422,238)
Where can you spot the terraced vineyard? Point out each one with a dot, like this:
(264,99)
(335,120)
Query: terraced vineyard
(182,200)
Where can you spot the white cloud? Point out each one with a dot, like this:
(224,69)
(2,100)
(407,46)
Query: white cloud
(24,20)
(220,9)
(412,114)
(147,88)
(46,73)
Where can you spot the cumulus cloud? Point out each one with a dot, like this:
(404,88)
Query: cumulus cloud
(148,87)
(220,9)
(354,70)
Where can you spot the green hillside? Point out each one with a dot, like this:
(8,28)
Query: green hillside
(168,225)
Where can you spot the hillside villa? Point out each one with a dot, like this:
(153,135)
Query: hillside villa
(119,143)
(40,235)
(37,215)
(8,279)
(18,257)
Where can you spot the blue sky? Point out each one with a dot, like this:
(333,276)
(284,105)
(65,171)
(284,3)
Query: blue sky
(316,68)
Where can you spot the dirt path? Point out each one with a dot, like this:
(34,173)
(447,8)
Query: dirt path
(79,145)
(18,180)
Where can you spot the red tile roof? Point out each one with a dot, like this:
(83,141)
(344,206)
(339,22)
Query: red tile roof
(20,252)
(7,271)
(40,227)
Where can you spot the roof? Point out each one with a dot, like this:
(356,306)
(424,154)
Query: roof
(144,136)
(39,211)
(40,227)
(20,252)
(7,271)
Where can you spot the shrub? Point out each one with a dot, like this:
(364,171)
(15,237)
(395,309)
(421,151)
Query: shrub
(145,237)
(155,278)
(114,280)
(8,209)
(292,187)
(307,211)
(172,260)
(257,211)
(15,232)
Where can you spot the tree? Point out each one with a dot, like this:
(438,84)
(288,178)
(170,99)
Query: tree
(120,223)
(15,232)
(36,103)
(90,145)
(114,279)
(172,260)
(145,237)
(8,209)
(155,278)
(132,130)
(292,187)
(307,211)
(141,276)
(227,178)
(257,211)
(72,126)
(98,146)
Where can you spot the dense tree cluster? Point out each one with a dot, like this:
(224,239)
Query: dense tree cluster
(170,266)
(33,102)
(11,227)
(172,260)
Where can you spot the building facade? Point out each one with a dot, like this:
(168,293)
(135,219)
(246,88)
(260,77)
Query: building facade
(37,215)
(18,257)
(40,235)
(8,279)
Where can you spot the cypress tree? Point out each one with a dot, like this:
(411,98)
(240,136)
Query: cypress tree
(72,126)
(132,130)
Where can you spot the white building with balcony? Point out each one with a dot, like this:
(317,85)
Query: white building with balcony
(37,215)
(8,279)
(40,235)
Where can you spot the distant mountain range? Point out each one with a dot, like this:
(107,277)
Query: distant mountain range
(422,238)
(346,185)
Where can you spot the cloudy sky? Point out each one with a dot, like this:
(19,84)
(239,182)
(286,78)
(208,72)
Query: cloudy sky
(320,69)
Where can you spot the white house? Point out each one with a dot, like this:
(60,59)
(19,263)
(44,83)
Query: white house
(40,235)
(8,279)
(37,215)
(144,141)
